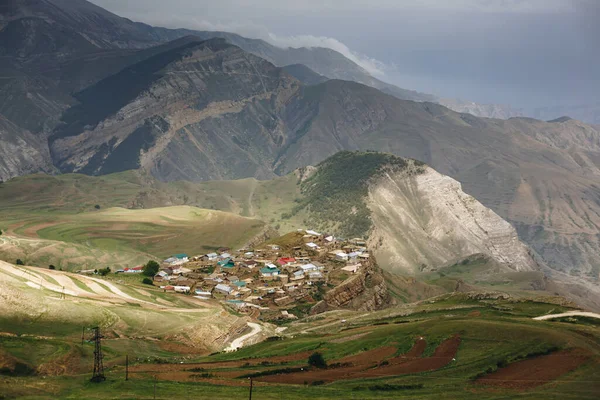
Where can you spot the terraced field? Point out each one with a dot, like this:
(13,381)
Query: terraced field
(118,237)
(450,347)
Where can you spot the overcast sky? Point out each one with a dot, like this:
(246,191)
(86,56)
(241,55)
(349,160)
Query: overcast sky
(527,53)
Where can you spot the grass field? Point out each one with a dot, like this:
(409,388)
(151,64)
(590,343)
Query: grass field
(494,334)
(120,237)
(76,221)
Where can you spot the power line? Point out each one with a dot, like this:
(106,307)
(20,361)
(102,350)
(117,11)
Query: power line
(98,375)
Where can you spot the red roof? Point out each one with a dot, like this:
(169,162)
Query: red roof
(138,268)
(286,260)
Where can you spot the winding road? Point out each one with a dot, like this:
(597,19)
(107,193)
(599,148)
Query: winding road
(239,342)
(568,314)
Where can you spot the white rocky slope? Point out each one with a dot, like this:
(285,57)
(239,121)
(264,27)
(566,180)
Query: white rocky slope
(425,220)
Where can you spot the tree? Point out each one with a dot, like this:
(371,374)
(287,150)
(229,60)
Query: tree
(20,262)
(147,281)
(151,268)
(317,360)
(51,266)
(104,271)
(0,232)
(97,206)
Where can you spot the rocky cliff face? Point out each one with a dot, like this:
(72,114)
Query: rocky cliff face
(203,111)
(423,220)
(364,291)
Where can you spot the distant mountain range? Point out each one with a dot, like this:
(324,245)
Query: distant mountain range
(86,91)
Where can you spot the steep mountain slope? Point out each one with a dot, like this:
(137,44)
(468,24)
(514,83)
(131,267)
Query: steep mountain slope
(409,211)
(206,98)
(34,27)
(233,115)
(427,220)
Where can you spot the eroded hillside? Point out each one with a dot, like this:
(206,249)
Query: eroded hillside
(423,220)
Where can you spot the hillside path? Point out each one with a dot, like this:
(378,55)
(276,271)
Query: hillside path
(237,343)
(568,314)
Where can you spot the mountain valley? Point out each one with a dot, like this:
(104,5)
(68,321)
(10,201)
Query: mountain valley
(222,215)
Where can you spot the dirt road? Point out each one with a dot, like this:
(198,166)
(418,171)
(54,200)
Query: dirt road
(568,314)
(239,342)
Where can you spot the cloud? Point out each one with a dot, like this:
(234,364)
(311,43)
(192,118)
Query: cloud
(371,65)
(254,31)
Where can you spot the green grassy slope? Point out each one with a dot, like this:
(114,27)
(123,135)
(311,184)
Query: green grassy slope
(54,219)
(492,332)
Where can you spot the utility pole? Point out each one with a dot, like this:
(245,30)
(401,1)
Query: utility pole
(98,366)
(250,397)
(82,334)
(126,367)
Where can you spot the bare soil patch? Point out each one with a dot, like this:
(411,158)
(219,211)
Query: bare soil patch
(369,357)
(220,364)
(537,371)
(442,356)
(371,364)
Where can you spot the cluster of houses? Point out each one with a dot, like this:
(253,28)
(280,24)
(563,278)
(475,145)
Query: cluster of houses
(265,280)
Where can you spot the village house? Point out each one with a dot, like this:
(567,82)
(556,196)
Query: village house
(270,270)
(226,263)
(291,286)
(223,289)
(298,275)
(274,247)
(308,268)
(283,261)
(211,257)
(312,246)
(352,257)
(181,289)
(250,264)
(315,276)
(161,276)
(352,268)
(134,270)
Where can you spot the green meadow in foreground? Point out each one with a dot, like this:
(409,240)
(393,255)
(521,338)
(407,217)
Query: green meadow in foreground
(492,336)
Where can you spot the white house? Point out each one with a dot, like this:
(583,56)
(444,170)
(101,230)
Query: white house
(134,270)
(309,267)
(223,289)
(315,275)
(212,256)
(312,246)
(181,289)
(352,268)
(312,233)
(298,275)
(341,256)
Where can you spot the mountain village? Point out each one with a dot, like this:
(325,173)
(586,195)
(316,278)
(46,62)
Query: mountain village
(278,281)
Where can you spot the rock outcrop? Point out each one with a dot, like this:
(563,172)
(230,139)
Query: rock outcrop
(423,220)
(364,291)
